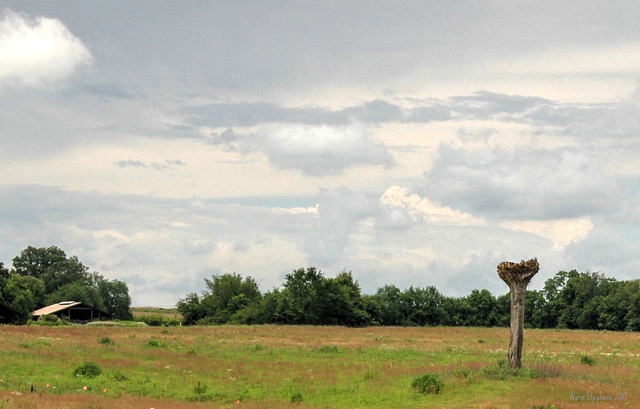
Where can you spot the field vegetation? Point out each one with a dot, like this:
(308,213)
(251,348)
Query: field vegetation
(271,366)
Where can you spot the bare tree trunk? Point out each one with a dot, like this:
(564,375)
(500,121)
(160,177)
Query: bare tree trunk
(517,277)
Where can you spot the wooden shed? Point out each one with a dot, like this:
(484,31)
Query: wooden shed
(73,311)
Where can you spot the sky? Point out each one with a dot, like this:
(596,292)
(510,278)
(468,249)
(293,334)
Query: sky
(414,143)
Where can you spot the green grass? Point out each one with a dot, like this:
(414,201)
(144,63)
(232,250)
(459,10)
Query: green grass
(310,367)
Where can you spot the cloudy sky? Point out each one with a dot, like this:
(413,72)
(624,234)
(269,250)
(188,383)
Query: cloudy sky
(411,142)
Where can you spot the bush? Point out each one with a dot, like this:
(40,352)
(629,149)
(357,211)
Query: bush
(428,383)
(87,370)
(158,320)
(48,318)
(106,341)
(587,360)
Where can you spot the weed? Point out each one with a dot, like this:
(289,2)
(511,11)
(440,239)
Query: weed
(296,397)
(462,372)
(200,389)
(428,383)
(153,343)
(106,341)
(328,349)
(370,374)
(87,370)
(481,341)
(587,360)
(256,348)
(503,371)
(117,376)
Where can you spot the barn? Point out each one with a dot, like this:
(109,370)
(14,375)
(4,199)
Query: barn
(73,311)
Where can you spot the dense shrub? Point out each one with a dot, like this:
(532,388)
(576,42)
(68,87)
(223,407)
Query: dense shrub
(158,320)
(428,383)
(87,370)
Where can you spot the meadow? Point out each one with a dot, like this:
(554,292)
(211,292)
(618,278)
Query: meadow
(313,367)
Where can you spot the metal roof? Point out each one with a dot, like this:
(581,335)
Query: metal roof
(52,309)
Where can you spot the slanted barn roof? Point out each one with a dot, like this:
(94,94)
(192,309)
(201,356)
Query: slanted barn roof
(72,310)
(52,309)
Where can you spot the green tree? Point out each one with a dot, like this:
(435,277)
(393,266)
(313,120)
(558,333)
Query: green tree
(67,272)
(552,293)
(388,299)
(342,302)
(190,309)
(310,298)
(613,309)
(456,311)
(301,301)
(421,306)
(633,312)
(16,301)
(482,308)
(35,262)
(115,298)
(51,277)
(36,287)
(534,313)
(503,310)
(226,295)
(580,298)
(76,292)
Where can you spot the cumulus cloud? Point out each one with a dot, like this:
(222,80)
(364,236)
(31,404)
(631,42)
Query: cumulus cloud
(38,51)
(320,150)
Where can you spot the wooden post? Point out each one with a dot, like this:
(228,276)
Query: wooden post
(517,277)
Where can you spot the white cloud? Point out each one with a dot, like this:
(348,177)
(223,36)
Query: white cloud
(38,52)
(321,150)
(562,232)
(421,208)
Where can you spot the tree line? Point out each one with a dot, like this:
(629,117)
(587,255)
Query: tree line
(568,300)
(45,276)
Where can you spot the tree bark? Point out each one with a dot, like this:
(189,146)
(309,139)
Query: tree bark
(517,277)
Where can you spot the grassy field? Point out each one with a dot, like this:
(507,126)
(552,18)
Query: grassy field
(169,312)
(312,367)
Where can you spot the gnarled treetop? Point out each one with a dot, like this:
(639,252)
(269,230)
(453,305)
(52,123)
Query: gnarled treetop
(515,273)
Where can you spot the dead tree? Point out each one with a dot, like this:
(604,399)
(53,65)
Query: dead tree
(517,277)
